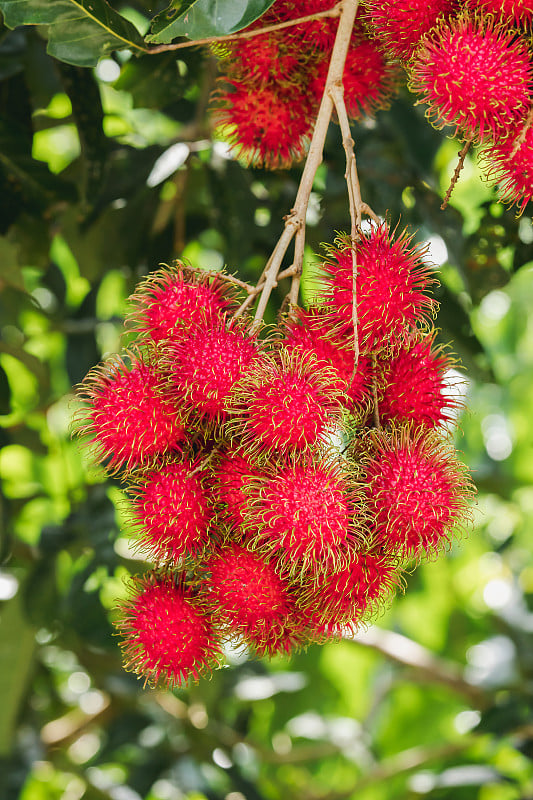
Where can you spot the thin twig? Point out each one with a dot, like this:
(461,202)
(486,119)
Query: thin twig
(237,281)
(462,155)
(521,139)
(331,12)
(296,219)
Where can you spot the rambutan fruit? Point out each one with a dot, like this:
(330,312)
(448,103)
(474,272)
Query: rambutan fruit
(318,35)
(311,335)
(268,127)
(369,81)
(251,600)
(263,60)
(202,367)
(287,403)
(168,301)
(475,75)
(171,511)
(399,25)
(304,513)
(513,12)
(414,387)
(167,637)
(417,491)
(231,473)
(391,288)
(340,600)
(512,170)
(127,414)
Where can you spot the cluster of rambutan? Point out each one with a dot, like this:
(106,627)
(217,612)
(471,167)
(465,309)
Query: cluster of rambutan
(468,60)
(278,487)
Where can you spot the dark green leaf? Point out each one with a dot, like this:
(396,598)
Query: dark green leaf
(198,19)
(16,656)
(80,31)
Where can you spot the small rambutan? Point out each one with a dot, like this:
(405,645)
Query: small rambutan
(303,512)
(316,36)
(311,335)
(232,472)
(127,414)
(513,12)
(391,288)
(173,298)
(263,60)
(284,404)
(268,127)
(340,600)
(474,75)
(414,387)
(399,25)
(171,511)
(513,171)
(417,491)
(202,367)
(167,636)
(251,600)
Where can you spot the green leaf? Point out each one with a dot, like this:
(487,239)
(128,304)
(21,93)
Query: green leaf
(16,655)
(80,31)
(199,19)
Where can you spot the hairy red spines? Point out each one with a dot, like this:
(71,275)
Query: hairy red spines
(414,387)
(510,163)
(252,600)
(416,491)
(167,636)
(303,511)
(399,25)
(172,512)
(474,75)
(514,12)
(127,414)
(202,367)
(172,298)
(392,286)
(285,404)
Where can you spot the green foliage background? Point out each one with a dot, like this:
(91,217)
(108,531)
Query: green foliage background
(436,701)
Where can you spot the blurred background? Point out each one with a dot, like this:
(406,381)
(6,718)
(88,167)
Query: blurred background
(105,173)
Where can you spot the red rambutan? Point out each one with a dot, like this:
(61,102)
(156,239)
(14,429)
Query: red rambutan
(399,25)
(203,366)
(127,414)
(287,404)
(171,511)
(311,335)
(268,127)
(391,288)
(513,171)
(417,491)
(167,637)
(263,60)
(232,472)
(303,512)
(474,75)
(414,385)
(514,12)
(252,600)
(173,298)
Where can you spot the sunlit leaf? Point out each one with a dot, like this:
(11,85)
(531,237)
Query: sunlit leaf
(199,19)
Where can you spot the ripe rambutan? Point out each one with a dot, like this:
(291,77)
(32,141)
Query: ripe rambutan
(399,25)
(391,288)
(513,171)
(127,414)
(263,60)
(250,599)
(303,512)
(340,600)
(414,385)
(310,335)
(284,404)
(171,511)
(316,35)
(268,127)
(203,366)
(171,299)
(232,472)
(513,12)
(475,75)
(167,637)
(417,491)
